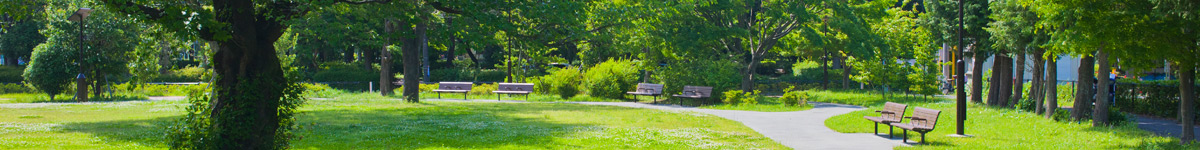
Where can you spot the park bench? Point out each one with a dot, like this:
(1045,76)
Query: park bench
(514,88)
(453,87)
(891,113)
(922,121)
(695,92)
(647,89)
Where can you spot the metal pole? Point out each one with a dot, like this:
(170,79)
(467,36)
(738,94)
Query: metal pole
(961,94)
(80,79)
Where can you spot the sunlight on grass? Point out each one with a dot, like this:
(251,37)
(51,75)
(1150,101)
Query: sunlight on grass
(1002,128)
(369,121)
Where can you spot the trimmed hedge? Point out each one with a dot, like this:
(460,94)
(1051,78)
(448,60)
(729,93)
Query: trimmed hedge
(1154,98)
(14,88)
(456,74)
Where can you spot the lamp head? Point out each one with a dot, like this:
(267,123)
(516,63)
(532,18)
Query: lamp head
(80,14)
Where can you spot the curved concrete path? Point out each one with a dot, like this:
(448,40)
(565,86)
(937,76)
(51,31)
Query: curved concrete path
(798,129)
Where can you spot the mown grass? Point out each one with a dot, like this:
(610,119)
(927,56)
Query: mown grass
(63,98)
(366,121)
(1004,128)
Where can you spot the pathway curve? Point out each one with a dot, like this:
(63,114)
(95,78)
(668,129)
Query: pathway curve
(798,129)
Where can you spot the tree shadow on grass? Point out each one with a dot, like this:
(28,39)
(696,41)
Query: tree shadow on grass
(431,127)
(425,126)
(1144,136)
(148,132)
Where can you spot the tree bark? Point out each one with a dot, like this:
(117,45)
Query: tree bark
(977,76)
(1083,88)
(845,73)
(993,93)
(1100,113)
(1051,86)
(1038,86)
(1187,107)
(412,64)
(385,61)
(1006,91)
(1019,85)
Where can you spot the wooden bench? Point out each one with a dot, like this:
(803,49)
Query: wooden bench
(891,113)
(647,89)
(453,87)
(514,88)
(695,92)
(922,121)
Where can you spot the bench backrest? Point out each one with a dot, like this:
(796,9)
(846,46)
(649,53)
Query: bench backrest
(515,87)
(455,85)
(702,91)
(650,88)
(928,117)
(894,107)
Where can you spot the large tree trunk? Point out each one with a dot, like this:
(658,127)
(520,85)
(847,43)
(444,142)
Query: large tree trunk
(10,58)
(412,63)
(1100,113)
(1038,86)
(977,76)
(1187,107)
(993,93)
(1083,89)
(845,72)
(385,61)
(249,88)
(1005,80)
(1051,86)
(1019,85)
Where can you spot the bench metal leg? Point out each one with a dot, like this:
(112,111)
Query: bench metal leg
(464,96)
(526,97)
(439,95)
(876,128)
(905,136)
(890,127)
(922,138)
(497,96)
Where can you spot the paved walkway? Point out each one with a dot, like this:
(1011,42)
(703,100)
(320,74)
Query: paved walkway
(798,129)
(1163,127)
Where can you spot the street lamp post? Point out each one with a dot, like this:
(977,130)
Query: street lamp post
(81,79)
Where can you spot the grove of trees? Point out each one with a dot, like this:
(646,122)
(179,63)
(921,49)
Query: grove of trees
(258,50)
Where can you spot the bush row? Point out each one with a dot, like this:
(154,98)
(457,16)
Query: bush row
(456,74)
(14,88)
(9,74)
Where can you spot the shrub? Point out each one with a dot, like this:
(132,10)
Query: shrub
(738,97)
(188,74)
(611,79)
(423,87)
(319,90)
(10,74)
(557,80)
(732,97)
(14,88)
(719,74)
(568,91)
(794,98)
(48,72)
(1061,115)
(458,74)
(484,89)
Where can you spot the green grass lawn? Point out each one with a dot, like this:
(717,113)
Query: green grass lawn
(365,121)
(1003,128)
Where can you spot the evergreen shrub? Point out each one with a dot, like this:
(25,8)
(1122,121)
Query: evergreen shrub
(611,79)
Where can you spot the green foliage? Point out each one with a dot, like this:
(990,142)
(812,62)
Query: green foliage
(611,79)
(484,89)
(720,74)
(794,98)
(338,71)
(428,87)
(1153,98)
(737,97)
(466,74)
(19,40)
(49,71)
(733,97)
(156,89)
(196,129)
(9,74)
(14,88)
(564,82)
(567,91)
(1061,115)
(188,74)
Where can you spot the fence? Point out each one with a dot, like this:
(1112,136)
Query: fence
(1158,99)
